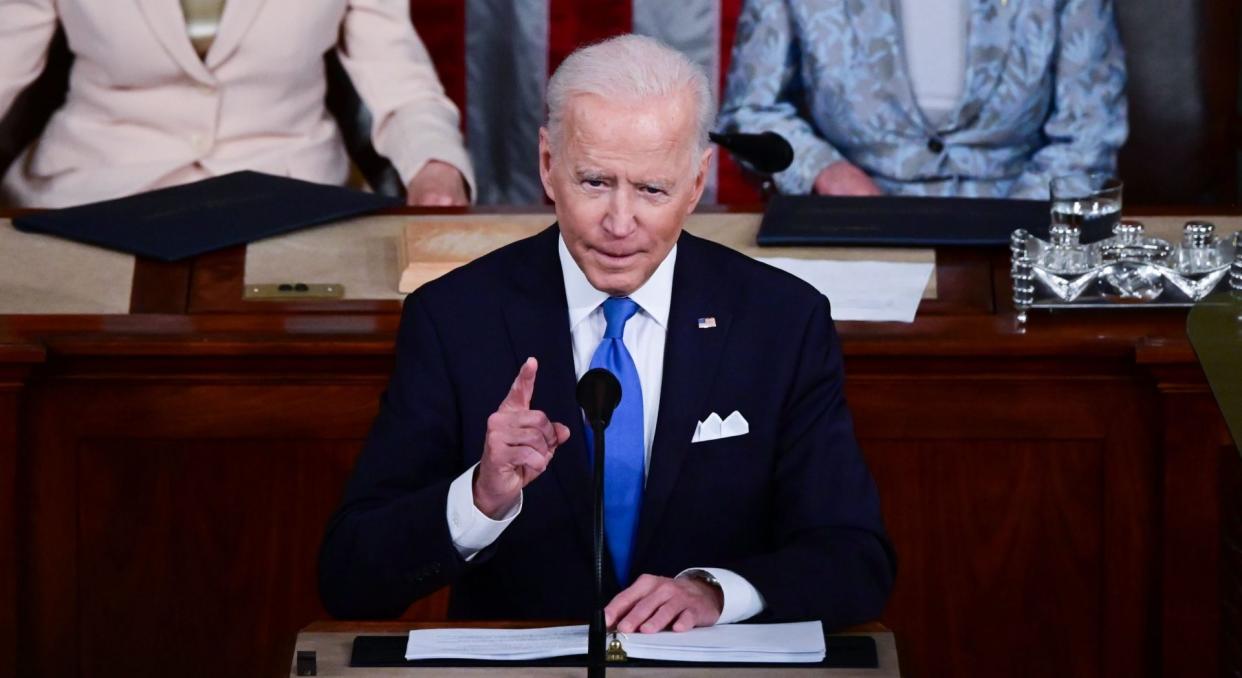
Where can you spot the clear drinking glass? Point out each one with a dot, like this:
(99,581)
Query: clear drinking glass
(1089,203)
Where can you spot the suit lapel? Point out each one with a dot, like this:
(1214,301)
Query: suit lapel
(987,53)
(236,21)
(167,22)
(691,363)
(537,319)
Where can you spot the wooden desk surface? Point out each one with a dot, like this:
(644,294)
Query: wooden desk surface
(332,642)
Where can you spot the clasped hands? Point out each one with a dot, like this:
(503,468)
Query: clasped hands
(518,447)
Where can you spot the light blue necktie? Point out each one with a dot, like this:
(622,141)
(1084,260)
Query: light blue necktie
(623,455)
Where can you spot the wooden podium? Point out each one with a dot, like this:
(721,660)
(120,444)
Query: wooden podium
(331,642)
(1062,496)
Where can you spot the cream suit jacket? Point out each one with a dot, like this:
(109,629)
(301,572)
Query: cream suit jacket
(144,111)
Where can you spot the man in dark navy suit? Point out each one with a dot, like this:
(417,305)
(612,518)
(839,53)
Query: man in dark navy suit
(734,486)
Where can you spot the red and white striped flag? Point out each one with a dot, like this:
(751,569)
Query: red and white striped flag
(495,56)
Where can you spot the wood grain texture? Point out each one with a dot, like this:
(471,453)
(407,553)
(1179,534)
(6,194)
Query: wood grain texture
(984,530)
(16,362)
(1231,561)
(175,489)
(211,544)
(199,527)
(160,286)
(1010,497)
(1194,440)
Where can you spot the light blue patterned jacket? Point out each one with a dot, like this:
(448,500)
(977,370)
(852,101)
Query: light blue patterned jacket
(1043,95)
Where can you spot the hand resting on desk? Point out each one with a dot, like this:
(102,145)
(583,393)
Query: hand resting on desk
(654,603)
(844,178)
(437,184)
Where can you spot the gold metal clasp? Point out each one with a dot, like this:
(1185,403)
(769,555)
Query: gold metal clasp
(615,652)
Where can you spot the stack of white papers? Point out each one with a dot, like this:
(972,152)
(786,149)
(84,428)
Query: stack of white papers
(765,643)
(864,290)
(797,642)
(497,644)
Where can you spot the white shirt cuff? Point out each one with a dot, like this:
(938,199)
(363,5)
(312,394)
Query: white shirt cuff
(471,529)
(741,599)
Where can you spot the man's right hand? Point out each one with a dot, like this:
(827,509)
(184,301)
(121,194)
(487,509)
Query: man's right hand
(844,178)
(518,447)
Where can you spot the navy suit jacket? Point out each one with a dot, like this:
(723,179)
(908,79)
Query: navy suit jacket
(790,506)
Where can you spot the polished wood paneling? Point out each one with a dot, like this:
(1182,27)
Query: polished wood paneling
(1022,496)
(8,528)
(160,286)
(190,508)
(208,545)
(1195,443)
(1192,596)
(1009,495)
(1231,560)
(977,527)
(16,361)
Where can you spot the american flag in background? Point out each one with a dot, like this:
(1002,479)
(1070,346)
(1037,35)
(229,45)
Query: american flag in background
(494,58)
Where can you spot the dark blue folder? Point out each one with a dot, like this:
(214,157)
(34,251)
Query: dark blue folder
(804,220)
(182,221)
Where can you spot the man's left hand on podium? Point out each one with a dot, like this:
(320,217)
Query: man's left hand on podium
(654,603)
(437,184)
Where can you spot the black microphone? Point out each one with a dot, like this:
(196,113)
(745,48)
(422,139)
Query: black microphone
(599,393)
(767,152)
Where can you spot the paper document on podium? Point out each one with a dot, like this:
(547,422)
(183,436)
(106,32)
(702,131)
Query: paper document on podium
(864,290)
(800,642)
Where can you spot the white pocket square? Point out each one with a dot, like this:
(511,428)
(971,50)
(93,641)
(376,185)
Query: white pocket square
(715,428)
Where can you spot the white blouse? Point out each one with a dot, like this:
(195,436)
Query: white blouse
(202,21)
(934,38)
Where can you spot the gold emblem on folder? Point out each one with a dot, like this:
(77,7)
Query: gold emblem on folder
(615,653)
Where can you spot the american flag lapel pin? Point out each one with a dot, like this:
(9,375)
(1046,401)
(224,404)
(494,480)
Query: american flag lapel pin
(707,323)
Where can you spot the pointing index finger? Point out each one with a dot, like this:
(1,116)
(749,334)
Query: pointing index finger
(523,387)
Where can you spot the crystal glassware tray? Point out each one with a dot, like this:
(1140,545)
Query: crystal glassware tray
(1129,269)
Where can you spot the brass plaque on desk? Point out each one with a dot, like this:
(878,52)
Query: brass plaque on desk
(293,291)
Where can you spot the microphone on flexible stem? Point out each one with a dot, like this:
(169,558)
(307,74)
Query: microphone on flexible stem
(599,393)
(767,152)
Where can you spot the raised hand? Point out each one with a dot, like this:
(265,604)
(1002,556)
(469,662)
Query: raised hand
(518,446)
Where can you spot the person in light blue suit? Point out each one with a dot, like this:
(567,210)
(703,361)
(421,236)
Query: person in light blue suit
(1040,93)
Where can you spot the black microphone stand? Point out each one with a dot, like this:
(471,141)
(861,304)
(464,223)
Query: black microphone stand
(598,394)
(595,639)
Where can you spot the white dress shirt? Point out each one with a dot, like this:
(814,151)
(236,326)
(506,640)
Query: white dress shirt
(472,530)
(934,38)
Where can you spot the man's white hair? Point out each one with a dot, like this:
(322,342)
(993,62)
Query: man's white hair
(630,68)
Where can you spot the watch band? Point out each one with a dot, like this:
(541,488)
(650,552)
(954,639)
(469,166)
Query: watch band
(705,577)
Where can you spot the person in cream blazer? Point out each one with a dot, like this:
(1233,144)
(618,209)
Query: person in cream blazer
(145,111)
